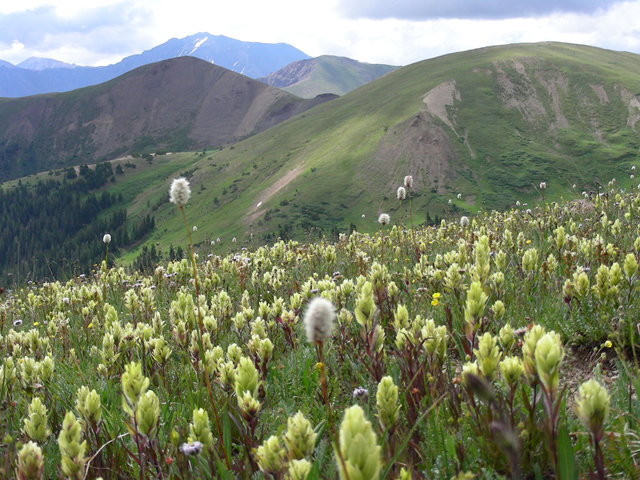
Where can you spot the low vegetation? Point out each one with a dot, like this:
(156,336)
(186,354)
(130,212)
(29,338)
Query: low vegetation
(500,346)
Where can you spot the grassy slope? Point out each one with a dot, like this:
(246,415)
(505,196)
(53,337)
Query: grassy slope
(337,75)
(335,141)
(337,138)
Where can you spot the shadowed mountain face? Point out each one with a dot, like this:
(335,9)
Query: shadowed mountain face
(325,74)
(183,103)
(252,59)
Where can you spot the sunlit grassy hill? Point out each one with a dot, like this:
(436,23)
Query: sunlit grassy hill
(325,74)
(490,124)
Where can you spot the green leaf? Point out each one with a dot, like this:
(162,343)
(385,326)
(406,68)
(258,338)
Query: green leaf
(536,469)
(566,461)
(226,433)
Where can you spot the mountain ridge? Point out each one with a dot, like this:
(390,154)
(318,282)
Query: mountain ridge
(180,103)
(325,74)
(253,59)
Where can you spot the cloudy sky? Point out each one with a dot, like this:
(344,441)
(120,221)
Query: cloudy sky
(397,32)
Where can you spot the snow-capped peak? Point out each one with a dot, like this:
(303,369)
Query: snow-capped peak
(197,44)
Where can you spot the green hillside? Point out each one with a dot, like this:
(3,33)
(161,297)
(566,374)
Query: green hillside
(325,74)
(488,124)
(567,119)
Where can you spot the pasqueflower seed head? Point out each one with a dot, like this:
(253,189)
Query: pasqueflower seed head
(318,320)
(180,192)
(384,218)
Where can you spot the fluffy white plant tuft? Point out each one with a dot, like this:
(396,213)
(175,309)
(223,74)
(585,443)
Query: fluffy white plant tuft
(180,192)
(318,320)
(384,218)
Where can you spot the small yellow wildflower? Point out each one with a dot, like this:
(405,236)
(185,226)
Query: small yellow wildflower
(434,302)
(436,295)
(319,366)
(528,242)
(608,344)
(90,325)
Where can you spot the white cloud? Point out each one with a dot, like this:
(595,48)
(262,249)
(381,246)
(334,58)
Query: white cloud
(105,31)
(468,9)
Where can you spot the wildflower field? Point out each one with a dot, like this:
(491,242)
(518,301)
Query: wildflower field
(500,346)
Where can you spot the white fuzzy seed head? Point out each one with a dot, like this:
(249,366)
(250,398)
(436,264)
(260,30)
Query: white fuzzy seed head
(106,238)
(459,196)
(318,320)
(464,222)
(408,181)
(180,192)
(384,218)
(543,185)
(401,194)
(195,229)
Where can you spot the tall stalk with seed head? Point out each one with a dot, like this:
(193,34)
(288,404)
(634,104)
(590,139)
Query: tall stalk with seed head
(179,194)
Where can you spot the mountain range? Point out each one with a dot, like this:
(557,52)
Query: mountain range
(35,76)
(178,104)
(476,130)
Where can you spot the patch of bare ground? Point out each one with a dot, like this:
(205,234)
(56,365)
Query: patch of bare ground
(416,146)
(438,99)
(633,104)
(580,364)
(258,209)
(518,91)
(601,93)
(552,80)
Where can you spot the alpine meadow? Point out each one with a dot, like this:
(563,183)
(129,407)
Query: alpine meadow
(434,275)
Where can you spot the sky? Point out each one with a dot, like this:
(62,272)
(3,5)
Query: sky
(394,32)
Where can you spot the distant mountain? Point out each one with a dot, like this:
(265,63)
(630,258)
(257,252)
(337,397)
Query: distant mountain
(248,58)
(177,104)
(324,74)
(35,63)
(6,64)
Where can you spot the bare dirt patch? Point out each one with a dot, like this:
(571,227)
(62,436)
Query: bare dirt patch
(579,365)
(633,104)
(552,81)
(601,93)
(517,90)
(418,147)
(258,207)
(441,97)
